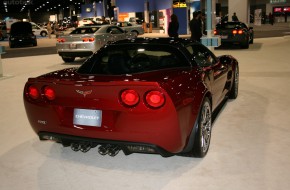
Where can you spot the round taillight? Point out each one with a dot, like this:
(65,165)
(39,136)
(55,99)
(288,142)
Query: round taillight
(130,97)
(155,99)
(49,93)
(60,40)
(33,92)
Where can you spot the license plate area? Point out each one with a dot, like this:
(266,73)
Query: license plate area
(73,46)
(87,117)
(224,37)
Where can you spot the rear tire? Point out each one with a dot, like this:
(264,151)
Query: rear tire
(11,45)
(203,135)
(235,87)
(68,59)
(135,33)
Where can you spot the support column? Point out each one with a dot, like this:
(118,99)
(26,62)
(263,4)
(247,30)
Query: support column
(241,8)
(2,50)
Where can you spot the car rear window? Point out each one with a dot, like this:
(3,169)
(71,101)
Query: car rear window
(21,28)
(130,59)
(228,26)
(85,30)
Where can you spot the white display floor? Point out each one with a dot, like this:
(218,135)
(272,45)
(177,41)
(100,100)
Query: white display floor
(249,147)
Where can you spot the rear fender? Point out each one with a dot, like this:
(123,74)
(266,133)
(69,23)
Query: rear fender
(191,138)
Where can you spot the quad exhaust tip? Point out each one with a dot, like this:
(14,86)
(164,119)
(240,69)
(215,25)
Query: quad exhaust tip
(107,149)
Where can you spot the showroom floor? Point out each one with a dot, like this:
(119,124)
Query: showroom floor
(249,147)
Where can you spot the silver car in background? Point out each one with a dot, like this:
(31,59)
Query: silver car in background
(85,40)
(131,27)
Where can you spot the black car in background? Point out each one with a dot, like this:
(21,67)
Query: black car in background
(235,33)
(21,35)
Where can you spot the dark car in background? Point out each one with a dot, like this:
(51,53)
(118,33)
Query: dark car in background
(235,33)
(21,34)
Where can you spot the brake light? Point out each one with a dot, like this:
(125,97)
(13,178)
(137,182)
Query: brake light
(49,93)
(130,97)
(237,31)
(155,99)
(215,32)
(88,39)
(60,40)
(33,92)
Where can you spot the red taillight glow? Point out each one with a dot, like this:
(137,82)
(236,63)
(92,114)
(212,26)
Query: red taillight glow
(88,39)
(215,32)
(33,92)
(155,99)
(237,31)
(60,40)
(130,97)
(49,93)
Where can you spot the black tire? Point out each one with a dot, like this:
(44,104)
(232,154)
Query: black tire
(11,45)
(68,59)
(34,44)
(203,134)
(135,32)
(43,34)
(252,39)
(235,87)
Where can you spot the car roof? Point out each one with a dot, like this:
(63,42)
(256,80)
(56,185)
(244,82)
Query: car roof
(157,41)
(231,22)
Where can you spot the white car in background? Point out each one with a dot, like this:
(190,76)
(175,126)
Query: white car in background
(38,31)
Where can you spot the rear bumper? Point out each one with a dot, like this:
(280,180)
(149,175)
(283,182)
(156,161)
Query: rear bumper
(75,53)
(235,40)
(126,147)
(76,49)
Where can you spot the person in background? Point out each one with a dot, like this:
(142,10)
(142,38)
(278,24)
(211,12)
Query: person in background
(271,19)
(49,29)
(235,17)
(173,26)
(56,29)
(195,27)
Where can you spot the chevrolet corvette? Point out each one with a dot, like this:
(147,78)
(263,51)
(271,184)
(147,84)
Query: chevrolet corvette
(155,96)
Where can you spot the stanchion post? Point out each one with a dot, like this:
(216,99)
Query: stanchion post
(2,50)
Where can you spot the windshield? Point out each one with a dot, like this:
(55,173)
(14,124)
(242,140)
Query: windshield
(21,28)
(85,30)
(130,59)
(230,25)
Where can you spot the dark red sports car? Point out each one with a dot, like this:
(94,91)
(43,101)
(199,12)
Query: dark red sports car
(138,96)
